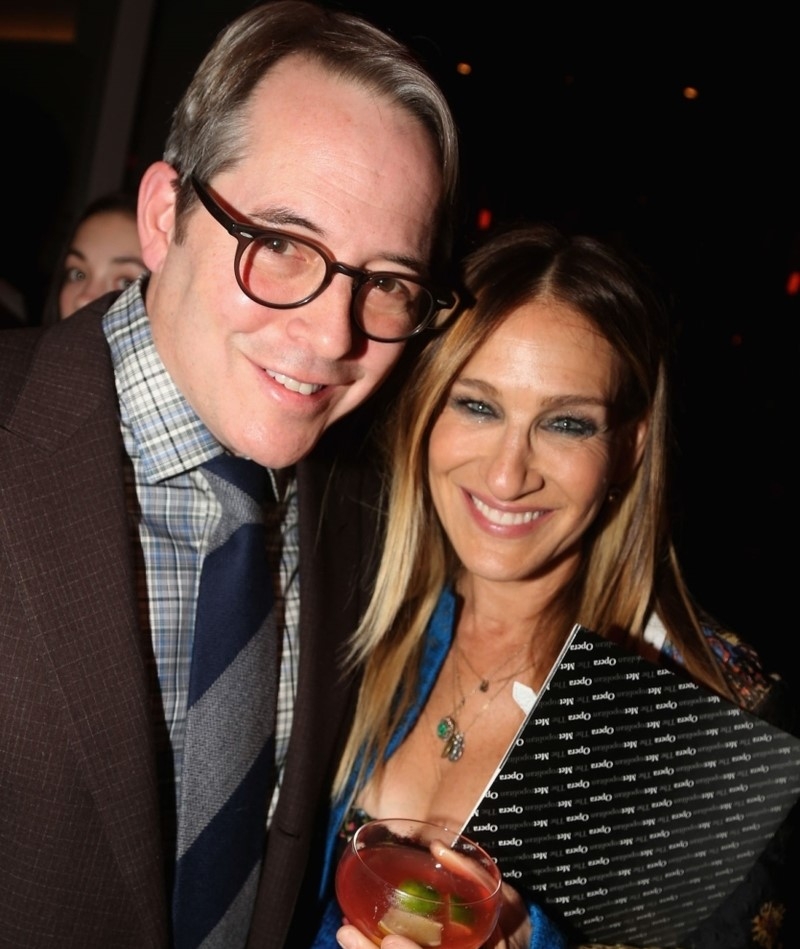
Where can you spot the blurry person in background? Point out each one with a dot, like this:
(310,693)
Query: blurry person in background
(102,254)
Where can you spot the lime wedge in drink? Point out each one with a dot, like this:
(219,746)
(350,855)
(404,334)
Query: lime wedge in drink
(414,896)
(400,922)
(460,912)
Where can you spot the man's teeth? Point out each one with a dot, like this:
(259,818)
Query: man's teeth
(304,388)
(504,518)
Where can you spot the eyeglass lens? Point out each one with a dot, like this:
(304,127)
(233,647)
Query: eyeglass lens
(281,271)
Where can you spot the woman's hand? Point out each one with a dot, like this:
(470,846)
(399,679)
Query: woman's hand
(349,937)
(513,930)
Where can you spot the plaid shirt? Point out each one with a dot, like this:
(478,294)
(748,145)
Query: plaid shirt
(173,512)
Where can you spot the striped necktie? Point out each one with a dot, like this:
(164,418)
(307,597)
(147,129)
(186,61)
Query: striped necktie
(228,759)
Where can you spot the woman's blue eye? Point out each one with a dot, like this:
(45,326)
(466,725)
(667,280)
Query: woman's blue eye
(580,427)
(474,407)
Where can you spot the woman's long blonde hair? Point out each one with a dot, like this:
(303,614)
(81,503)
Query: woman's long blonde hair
(629,566)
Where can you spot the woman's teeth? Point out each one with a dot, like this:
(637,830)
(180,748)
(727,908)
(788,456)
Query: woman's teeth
(504,518)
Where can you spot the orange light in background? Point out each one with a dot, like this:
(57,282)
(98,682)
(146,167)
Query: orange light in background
(690,92)
(484,219)
(463,69)
(22,26)
(793,283)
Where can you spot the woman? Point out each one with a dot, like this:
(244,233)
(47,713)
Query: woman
(102,253)
(528,493)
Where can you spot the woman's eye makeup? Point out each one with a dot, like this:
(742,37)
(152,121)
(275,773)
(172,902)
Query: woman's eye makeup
(473,406)
(576,426)
(579,426)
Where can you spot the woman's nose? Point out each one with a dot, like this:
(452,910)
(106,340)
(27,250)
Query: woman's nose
(512,469)
(89,290)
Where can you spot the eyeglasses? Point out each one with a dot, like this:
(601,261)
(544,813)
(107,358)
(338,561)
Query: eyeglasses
(281,270)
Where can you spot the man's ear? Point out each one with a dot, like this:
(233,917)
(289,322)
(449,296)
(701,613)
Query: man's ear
(156,213)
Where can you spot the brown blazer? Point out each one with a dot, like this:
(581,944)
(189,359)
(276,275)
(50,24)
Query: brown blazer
(80,861)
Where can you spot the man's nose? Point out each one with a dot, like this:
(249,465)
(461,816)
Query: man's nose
(325,323)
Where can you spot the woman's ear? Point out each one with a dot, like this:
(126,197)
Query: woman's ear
(639,438)
(156,213)
(631,450)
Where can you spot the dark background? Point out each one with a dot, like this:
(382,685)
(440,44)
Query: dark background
(574,114)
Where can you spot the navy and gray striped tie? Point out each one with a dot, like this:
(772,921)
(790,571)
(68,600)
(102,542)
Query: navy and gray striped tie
(228,761)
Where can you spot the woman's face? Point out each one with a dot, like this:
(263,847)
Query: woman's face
(521,458)
(104,255)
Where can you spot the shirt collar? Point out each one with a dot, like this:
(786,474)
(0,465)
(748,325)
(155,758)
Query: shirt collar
(168,435)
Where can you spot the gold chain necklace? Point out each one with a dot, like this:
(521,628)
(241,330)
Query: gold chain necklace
(484,683)
(448,729)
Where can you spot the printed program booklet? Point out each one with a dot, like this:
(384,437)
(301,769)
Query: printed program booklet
(632,801)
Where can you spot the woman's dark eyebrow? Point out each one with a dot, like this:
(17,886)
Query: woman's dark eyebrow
(560,401)
(564,401)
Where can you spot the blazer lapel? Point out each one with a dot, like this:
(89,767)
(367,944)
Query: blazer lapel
(333,524)
(337,539)
(63,482)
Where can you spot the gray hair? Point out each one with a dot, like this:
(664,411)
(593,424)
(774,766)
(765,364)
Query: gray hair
(208,123)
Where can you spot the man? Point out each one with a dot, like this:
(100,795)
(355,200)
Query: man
(292,234)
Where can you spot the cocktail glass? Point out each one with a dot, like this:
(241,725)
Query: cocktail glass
(419,880)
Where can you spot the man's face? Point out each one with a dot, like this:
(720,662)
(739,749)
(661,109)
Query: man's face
(322,159)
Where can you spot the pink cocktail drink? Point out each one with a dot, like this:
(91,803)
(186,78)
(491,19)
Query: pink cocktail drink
(418,880)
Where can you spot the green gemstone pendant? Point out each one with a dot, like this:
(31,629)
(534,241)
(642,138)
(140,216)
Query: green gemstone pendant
(445,728)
